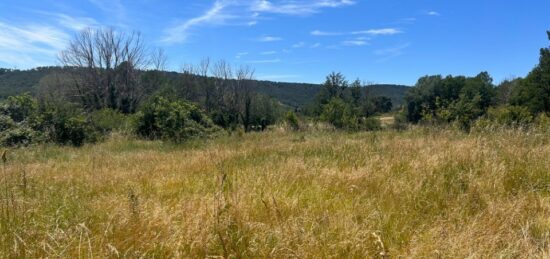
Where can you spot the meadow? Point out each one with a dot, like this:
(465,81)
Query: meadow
(424,193)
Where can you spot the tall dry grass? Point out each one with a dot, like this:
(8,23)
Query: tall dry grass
(419,193)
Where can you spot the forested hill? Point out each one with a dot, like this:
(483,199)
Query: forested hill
(13,82)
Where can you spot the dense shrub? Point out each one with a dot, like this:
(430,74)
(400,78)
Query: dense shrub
(176,121)
(400,122)
(24,121)
(371,124)
(292,121)
(108,120)
(334,112)
(65,123)
(510,115)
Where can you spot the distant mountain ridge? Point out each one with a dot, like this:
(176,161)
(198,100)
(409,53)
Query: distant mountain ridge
(14,82)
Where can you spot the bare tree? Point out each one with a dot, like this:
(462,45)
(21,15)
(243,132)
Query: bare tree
(105,67)
(159,59)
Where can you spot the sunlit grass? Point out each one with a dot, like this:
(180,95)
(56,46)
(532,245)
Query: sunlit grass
(419,193)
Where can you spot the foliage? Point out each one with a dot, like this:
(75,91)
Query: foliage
(459,100)
(25,122)
(108,120)
(65,123)
(534,90)
(291,119)
(176,121)
(510,115)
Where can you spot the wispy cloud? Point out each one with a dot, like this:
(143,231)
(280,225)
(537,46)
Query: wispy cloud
(433,13)
(355,43)
(384,31)
(392,52)
(72,22)
(325,33)
(297,7)
(264,61)
(30,45)
(241,54)
(268,39)
(243,12)
(180,33)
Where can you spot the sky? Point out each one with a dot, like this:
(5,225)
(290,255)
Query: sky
(376,41)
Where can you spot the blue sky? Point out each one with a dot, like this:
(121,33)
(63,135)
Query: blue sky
(381,41)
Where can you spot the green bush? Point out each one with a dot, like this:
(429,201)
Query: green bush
(371,124)
(20,108)
(108,120)
(510,115)
(65,123)
(176,121)
(292,121)
(400,122)
(542,122)
(18,136)
(334,111)
(23,121)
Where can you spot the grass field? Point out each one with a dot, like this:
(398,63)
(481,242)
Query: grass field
(419,193)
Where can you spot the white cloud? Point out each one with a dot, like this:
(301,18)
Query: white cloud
(384,31)
(264,61)
(241,54)
(324,33)
(433,13)
(75,23)
(269,39)
(354,43)
(297,7)
(180,33)
(246,12)
(30,45)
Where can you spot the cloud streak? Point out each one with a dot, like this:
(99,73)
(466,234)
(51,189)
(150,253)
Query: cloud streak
(245,12)
(374,32)
(180,33)
(297,7)
(264,61)
(268,39)
(30,45)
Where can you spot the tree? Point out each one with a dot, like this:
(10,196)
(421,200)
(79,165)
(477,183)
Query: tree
(382,104)
(104,66)
(459,99)
(334,87)
(534,90)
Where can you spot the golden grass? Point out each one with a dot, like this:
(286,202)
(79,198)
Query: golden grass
(419,193)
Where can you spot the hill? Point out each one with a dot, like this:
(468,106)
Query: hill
(13,82)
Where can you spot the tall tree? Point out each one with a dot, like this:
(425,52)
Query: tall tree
(534,90)
(104,67)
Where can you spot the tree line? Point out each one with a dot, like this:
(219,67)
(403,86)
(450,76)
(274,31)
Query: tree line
(462,101)
(113,81)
